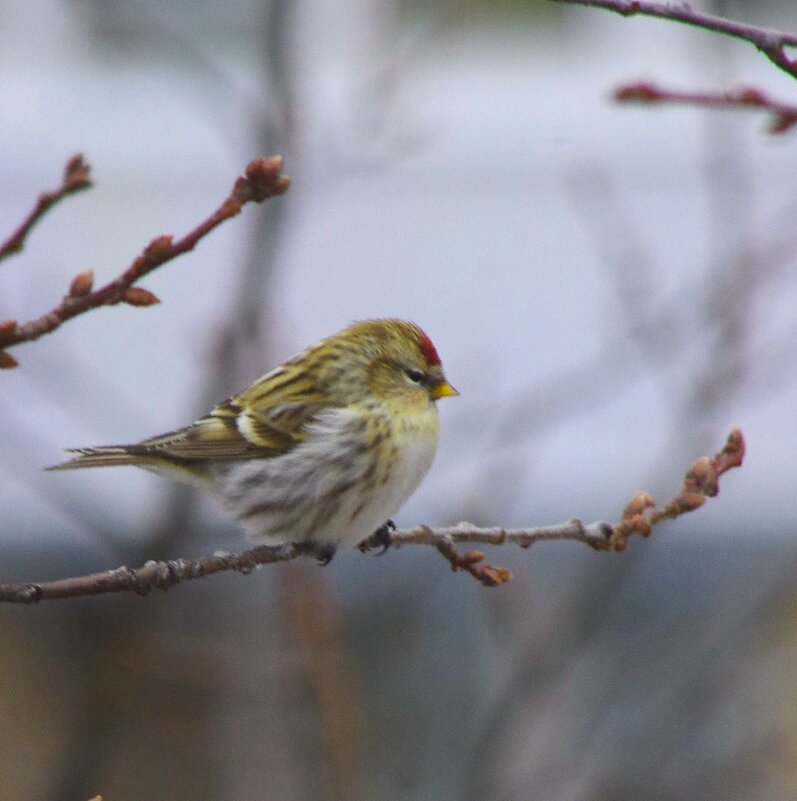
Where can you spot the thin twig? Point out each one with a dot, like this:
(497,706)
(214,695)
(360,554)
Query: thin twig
(783,115)
(261,181)
(771,43)
(639,517)
(76,178)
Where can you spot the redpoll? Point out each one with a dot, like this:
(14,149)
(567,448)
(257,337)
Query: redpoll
(322,450)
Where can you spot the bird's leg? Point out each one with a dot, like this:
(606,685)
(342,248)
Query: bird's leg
(382,537)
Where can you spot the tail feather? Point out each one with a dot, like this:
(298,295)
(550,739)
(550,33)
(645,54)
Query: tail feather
(106,456)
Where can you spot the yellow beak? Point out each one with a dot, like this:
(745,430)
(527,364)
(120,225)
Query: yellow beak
(443,390)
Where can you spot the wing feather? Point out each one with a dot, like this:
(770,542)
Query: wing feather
(267,419)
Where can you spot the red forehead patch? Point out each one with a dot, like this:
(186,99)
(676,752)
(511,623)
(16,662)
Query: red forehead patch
(429,351)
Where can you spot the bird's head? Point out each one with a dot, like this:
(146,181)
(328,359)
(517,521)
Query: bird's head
(395,361)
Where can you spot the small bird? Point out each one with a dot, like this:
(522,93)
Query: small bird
(322,450)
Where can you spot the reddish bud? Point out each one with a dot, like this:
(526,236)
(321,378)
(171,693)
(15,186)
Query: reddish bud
(638,92)
(138,296)
(700,476)
(782,122)
(159,248)
(638,504)
(751,95)
(494,576)
(502,575)
(733,452)
(689,501)
(7,361)
(263,180)
(7,327)
(81,284)
(77,173)
(266,168)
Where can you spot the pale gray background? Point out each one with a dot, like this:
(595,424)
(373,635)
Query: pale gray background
(611,288)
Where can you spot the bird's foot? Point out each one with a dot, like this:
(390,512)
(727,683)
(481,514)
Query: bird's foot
(381,538)
(323,551)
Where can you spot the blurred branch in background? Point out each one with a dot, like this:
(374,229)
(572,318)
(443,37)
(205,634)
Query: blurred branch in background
(771,43)
(783,115)
(639,517)
(660,329)
(262,180)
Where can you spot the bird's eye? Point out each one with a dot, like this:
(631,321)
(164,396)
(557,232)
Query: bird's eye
(417,376)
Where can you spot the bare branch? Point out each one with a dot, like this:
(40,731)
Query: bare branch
(261,181)
(783,115)
(639,517)
(76,178)
(770,42)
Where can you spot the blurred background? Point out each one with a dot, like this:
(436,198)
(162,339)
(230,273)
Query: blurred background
(611,289)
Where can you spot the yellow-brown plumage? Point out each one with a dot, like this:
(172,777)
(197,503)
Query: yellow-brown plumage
(305,451)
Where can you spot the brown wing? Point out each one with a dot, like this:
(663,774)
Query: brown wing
(231,432)
(267,419)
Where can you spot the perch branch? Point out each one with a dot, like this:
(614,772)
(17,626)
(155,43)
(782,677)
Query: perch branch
(639,517)
(76,177)
(261,181)
(782,115)
(770,42)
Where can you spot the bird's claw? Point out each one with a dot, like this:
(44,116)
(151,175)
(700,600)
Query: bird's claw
(382,537)
(324,553)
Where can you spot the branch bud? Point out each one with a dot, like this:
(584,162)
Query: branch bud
(7,361)
(138,296)
(263,180)
(689,501)
(7,327)
(81,284)
(159,248)
(638,504)
(751,95)
(495,576)
(77,174)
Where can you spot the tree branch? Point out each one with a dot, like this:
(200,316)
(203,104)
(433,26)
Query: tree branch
(261,181)
(639,517)
(76,178)
(783,115)
(770,42)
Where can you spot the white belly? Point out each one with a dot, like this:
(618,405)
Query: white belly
(330,489)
